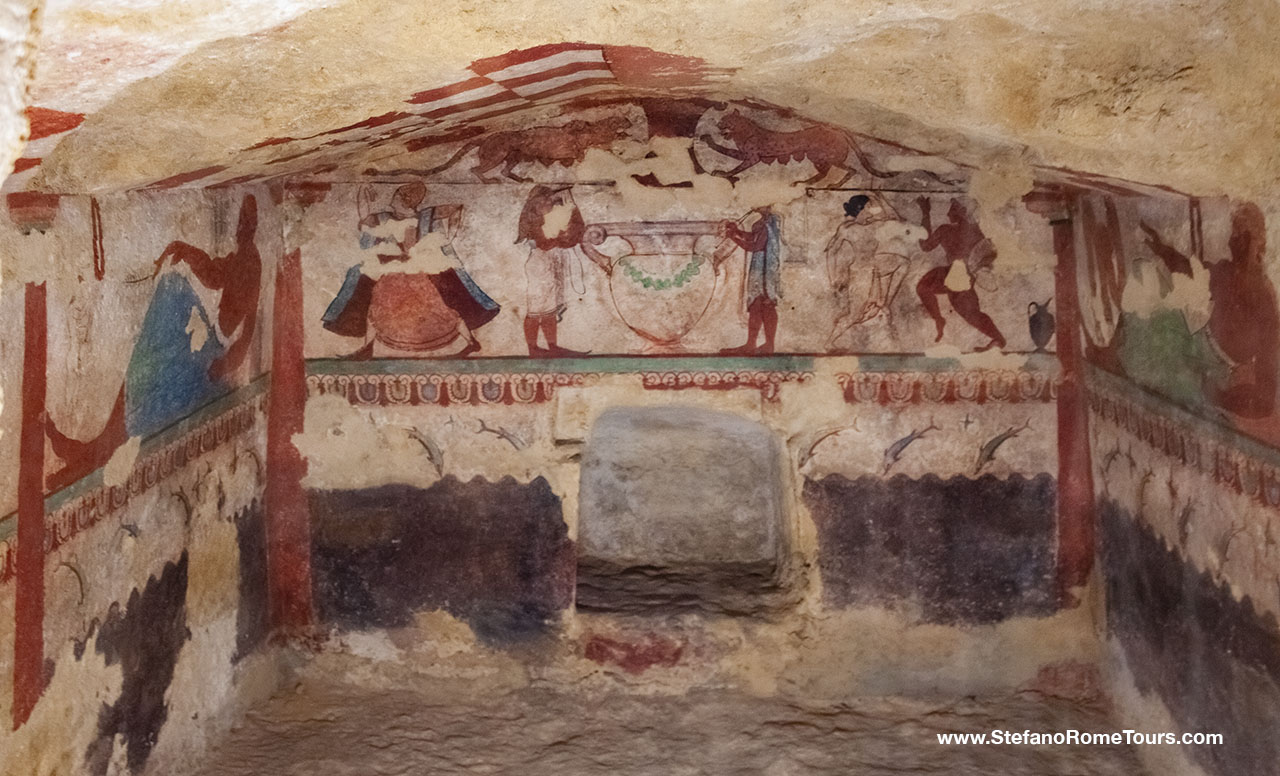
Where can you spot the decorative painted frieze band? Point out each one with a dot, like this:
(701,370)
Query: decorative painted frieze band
(68,516)
(1192,442)
(768,383)
(976,386)
(444,390)
(389,382)
(385,390)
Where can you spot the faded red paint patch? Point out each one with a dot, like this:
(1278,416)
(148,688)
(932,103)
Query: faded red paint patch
(634,657)
(32,209)
(640,66)
(187,177)
(308,193)
(8,563)
(1071,680)
(46,122)
(26,163)
(272,141)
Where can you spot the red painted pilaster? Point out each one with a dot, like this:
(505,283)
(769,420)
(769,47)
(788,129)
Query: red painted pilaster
(288,518)
(1075,469)
(28,646)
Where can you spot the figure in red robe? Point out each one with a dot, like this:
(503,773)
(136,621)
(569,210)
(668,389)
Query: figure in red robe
(1244,320)
(433,303)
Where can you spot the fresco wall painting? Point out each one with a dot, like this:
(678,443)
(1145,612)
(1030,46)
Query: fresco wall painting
(1180,323)
(696,245)
(141,374)
(467,282)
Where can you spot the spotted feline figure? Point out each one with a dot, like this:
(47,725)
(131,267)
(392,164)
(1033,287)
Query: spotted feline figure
(565,144)
(824,146)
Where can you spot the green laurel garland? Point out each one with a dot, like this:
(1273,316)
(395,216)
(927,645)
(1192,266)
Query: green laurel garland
(678,280)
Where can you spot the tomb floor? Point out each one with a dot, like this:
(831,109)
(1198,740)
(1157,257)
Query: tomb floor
(324,726)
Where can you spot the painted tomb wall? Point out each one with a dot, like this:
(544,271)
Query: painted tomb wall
(146,316)
(473,308)
(1181,325)
(477,296)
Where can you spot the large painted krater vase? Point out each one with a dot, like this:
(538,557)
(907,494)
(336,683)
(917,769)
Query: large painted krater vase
(663,283)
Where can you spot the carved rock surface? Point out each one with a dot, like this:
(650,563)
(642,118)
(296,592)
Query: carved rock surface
(333,729)
(679,507)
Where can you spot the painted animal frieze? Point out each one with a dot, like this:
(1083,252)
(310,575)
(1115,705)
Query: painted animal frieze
(737,138)
(957,439)
(501,152)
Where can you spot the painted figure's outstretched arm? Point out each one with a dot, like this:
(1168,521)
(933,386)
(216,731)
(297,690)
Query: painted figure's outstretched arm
(1171,256)
(754,240)
(207,270)
(931,239)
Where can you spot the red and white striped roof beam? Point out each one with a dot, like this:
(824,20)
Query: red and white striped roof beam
(48,127)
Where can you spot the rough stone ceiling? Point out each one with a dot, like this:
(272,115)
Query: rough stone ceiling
(1180,93)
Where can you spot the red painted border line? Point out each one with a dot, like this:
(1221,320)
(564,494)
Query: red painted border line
(28,639)
(288,517)
(174,181)
(441,92)
(571,87)
(481,102)
(1076,526)
(555,72)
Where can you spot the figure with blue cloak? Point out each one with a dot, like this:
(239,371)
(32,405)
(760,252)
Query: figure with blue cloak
(417,297)
(178,363)
(762,243)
